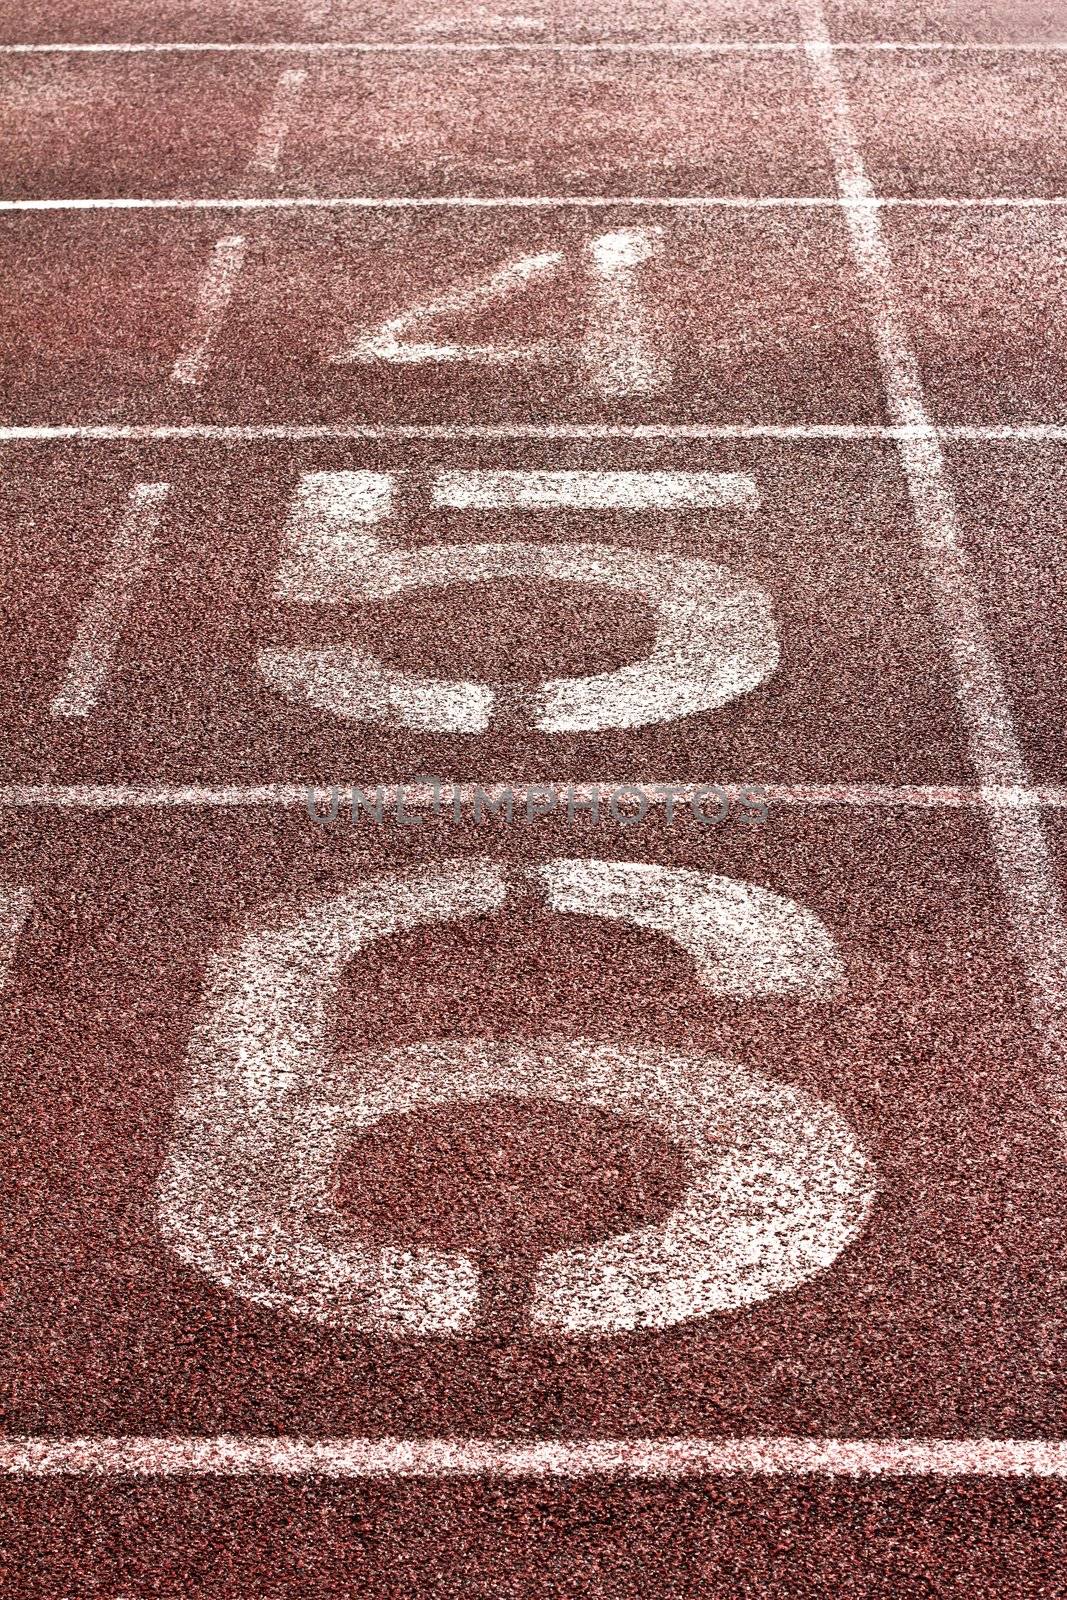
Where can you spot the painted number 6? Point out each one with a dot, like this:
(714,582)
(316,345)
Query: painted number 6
(778,1183)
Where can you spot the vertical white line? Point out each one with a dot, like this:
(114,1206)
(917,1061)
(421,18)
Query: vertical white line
(216,291)
(1026,871)
(14,907)
(98,634)
(270,140)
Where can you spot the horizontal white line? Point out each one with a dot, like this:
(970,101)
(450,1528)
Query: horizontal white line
(402,202)
(416,795)
(526,202)
(527,47)
(306,432)
(315,47)
(254,433)
(227,1456)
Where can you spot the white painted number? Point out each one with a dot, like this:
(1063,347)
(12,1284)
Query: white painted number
(392,341)
(778,1184)
(715,632)
(615,349)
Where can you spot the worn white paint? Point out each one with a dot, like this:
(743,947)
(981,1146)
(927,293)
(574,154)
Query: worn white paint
(1028,878)
(244,1194)
(715,640)
(393,340)
(228,255)
(15,903)
(474,489)
(695,47)
(213,298)
(778,1185)
(619,349)
(527,202)
(416,796)
(324,547)
(1035,433)
(744,939)
(745,1455)
(616,348)
(349,683)
(104,617)
(715,632)
(274,126)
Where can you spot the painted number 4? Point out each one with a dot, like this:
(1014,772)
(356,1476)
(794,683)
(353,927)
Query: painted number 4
(616,349)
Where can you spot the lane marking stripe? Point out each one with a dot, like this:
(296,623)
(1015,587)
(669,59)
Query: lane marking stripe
(395,202)
(415,795)
(593,491)
(216,290)
(1026,872)
(540,1458)
(528,47)
(103,619)
(297,432)
(274,127)
(15,905)
(300,432)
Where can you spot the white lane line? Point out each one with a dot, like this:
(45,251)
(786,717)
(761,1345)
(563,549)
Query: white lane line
(303,432)
(98,633)
(14,909)
(423,796)
(1026,872)
(254,433)
(216,291)
(296,1457)
(228,255)
(530,202)
(274,128)
(407,202)
(694,47)
(594,491)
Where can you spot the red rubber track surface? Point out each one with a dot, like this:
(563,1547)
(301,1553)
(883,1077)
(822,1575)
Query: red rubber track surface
(821,358)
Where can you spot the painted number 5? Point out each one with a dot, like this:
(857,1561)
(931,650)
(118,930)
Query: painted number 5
(715,631)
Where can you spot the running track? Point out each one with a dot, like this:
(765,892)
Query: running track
(648,1194)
